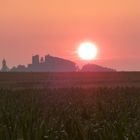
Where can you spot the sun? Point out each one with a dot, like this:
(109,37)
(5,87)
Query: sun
(87,51)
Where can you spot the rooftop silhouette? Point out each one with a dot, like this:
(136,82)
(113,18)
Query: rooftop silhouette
(4,66)
(47,64)
(53,64)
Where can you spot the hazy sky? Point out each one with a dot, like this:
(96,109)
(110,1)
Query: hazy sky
(57,27)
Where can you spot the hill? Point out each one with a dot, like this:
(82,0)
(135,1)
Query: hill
(96,68)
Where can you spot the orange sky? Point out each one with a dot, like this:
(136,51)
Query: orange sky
(57,27)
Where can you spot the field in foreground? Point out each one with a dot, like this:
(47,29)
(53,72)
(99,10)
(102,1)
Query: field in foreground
(66,80)
(70,114)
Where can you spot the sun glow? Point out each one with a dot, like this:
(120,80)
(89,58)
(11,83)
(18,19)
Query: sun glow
(87,51)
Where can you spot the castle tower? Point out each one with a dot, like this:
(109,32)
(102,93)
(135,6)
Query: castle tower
(35,60)
(4,66)
(42,60)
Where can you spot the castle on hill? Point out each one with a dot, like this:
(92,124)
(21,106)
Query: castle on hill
(47,64)
(53,64)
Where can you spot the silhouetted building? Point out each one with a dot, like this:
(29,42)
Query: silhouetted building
(51,64)
(42,60)
(46,57)
(35,59)
(54,64)
(19,68)
(4,66)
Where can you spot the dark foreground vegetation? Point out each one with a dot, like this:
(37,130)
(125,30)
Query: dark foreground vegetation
(70,114)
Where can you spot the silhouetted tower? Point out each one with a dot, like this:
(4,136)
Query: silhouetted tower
(46,57)
(42,60)
(35,59)
(4,66)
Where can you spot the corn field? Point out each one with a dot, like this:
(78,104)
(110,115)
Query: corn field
(70,114)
